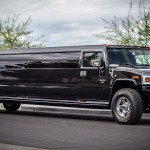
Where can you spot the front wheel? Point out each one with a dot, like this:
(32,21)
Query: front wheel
(127,106)
(11,106)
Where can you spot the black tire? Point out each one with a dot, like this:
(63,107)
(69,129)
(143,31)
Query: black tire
(127,106)
(11,106)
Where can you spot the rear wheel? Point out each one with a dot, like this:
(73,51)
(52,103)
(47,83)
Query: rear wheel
(11,106)
(127,106)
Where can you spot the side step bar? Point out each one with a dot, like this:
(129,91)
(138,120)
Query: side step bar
(37,100)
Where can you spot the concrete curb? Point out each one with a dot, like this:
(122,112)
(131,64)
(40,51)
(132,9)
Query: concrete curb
(68,110)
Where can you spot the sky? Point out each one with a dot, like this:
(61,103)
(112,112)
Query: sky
(68,22)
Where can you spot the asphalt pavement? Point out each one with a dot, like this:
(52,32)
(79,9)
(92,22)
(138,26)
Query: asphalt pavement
(32,130)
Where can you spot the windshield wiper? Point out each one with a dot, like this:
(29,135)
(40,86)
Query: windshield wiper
(127,64)
(143,65)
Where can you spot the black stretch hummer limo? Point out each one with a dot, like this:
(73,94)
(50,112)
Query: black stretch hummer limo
(116,77)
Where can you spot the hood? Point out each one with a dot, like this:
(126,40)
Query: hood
(144,71)
(134,70)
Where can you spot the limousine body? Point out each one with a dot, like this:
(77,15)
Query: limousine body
(95,76)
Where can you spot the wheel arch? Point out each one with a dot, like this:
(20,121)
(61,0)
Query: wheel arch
(124,83)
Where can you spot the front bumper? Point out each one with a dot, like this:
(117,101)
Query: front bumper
(146,96)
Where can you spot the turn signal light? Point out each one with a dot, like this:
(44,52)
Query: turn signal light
(135,77)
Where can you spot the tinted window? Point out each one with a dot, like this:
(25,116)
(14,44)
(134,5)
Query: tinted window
(88,57)
(137,57)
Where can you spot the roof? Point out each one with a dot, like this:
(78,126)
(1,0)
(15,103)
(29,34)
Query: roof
(64,49)
(51,49)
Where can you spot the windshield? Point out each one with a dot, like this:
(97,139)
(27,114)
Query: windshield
(128,56)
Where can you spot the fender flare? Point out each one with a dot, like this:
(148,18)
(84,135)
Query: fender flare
(123,79)
(119,80)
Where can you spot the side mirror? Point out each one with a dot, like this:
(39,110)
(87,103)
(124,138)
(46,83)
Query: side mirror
(95,63)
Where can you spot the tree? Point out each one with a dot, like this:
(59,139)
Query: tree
(14,35)
(131,30)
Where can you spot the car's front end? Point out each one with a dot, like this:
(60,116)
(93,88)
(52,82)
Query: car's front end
(134,65)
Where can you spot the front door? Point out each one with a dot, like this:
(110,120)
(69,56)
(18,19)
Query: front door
(93,80)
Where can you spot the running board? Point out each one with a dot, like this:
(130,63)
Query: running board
(54,101)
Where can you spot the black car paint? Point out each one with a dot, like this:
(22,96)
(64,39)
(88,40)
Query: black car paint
(52,76)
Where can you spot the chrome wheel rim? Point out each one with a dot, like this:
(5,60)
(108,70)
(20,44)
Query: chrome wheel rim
(123,107)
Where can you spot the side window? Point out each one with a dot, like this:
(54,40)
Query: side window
(90,57)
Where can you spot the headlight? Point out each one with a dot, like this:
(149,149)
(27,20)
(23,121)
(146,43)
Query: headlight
(146,80)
